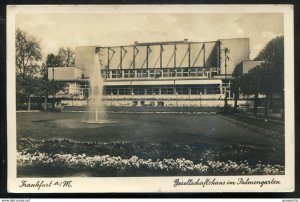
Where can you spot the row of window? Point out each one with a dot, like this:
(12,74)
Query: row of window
(224,84)
(155,73)
(163,90)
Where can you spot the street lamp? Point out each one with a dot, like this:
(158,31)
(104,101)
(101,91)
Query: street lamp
(189,97)
(132,99)
(200,98)
(154,99)
(117,103)
(176,99)
(226,51)
(111,95)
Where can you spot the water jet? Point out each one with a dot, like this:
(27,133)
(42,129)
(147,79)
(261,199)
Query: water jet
(96,106)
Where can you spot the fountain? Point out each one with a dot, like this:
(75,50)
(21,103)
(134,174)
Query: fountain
(96,106)
(96,115)
(97,109)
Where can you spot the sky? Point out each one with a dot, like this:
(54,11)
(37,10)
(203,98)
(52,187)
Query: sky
(83,29)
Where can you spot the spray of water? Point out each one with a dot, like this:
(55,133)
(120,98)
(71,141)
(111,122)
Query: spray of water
(97,108)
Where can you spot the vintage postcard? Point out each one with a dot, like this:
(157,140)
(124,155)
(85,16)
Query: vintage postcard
(156,98)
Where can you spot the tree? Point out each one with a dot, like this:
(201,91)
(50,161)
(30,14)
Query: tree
(28,54)
(272,70)
(235,87)
(28,86)
(250,84)
(52,60)
(268,77)
(32,78)
(66,57)
(50,87)
(44,86)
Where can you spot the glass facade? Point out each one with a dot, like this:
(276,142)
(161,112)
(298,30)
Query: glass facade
(152,90)
(167,90)
(147,90)
(163,90)
(160,73)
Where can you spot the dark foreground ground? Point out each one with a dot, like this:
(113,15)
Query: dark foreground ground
(146,144)
(151,128)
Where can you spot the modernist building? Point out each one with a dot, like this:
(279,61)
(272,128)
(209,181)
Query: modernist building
(173,73)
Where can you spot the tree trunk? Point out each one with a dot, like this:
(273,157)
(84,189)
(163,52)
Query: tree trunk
(255,104)
(53,105)
(267,105)
(29,103)
(226,105)
(45,103)
(236,97)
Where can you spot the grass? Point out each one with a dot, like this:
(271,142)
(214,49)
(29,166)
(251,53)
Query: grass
(149,128)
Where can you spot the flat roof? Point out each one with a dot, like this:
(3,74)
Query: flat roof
(185,41)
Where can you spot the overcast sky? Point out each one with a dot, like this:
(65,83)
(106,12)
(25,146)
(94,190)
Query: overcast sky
(62,30)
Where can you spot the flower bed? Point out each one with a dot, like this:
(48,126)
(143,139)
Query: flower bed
(65,157)
(81,162)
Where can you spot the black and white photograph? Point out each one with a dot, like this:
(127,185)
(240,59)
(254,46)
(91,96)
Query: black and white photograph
(150,98)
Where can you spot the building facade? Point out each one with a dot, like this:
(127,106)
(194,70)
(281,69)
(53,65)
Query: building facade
(174,73)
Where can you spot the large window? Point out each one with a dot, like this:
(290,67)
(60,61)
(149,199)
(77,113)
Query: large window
(126,73)
(139,90)
(145,73)
(139,73)
(186,72)
(214,73)
(166,73)
(116,74)
(164,90)
(152,89)
(207,74)
(182,90)
(167,90)
(142,73)
(157,73)
(131,73)
(173,72)
(124,90)
(111,90)
(105,74)
(152,73)
(196,72)
(179,72)
(205,89)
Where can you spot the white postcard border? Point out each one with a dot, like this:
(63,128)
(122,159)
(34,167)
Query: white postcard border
(153,184)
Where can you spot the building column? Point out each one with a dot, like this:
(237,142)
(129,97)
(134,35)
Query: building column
(221,88)
(135,74)
(174,90)
(229,91)
(131,90)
